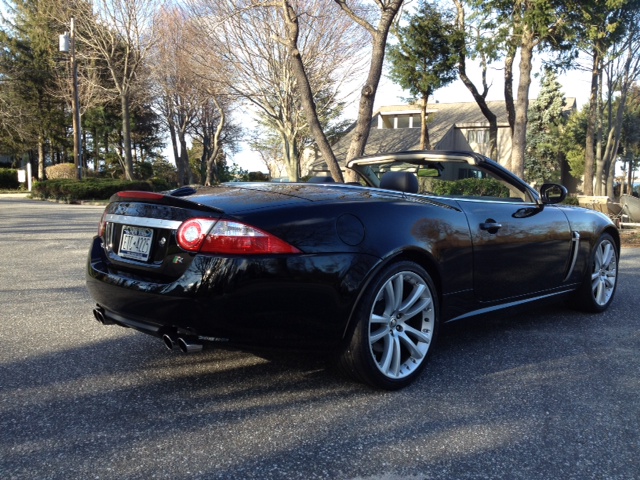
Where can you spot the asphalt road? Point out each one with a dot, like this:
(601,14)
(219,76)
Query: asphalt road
(550,394)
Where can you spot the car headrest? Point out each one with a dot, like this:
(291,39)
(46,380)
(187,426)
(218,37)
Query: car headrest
(400,181)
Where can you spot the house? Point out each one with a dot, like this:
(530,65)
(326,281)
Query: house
(452,126)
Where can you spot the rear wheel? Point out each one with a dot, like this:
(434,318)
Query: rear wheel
(599,286)
(396,326)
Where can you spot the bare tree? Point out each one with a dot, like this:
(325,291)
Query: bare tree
(387,10)
(121,35)
(258,63)
(176,96)
(623,72)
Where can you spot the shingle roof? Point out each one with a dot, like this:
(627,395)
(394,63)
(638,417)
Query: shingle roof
(442,117)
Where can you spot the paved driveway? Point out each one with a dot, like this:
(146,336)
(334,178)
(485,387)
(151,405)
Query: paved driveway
(550,394)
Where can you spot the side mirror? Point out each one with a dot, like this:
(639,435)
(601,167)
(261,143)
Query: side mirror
(551,193)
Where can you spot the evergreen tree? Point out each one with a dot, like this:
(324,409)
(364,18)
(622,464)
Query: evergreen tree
(29,75)
(424,58)
(546,120)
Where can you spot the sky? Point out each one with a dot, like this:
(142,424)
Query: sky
(575,84)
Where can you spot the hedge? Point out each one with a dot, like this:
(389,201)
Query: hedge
(9,179)
(485,187)
(67,190)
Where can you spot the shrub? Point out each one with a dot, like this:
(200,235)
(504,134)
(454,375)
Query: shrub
(485,187)
(9,179)
(571,201)
(89,189)
(61,170)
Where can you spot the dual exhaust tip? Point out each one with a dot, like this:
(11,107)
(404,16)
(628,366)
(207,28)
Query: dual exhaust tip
(186,345)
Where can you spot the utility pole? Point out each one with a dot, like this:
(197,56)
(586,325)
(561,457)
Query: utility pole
(68,45)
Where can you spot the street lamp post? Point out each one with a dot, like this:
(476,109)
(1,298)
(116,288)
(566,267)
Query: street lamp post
(68,45)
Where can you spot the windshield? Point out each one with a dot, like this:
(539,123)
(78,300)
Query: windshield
(454,177)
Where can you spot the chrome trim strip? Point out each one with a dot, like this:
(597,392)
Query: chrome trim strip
(143,221)
(502,306)
(575,243)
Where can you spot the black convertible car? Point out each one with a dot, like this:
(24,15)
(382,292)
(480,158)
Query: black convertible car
(364,272)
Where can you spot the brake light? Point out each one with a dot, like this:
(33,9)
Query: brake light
(139,195)
(191,234)
(102,226)
(229,238)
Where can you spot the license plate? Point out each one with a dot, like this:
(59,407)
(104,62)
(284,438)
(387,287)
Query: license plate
(136,242)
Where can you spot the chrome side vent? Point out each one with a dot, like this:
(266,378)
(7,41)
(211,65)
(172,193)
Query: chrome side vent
(575,248)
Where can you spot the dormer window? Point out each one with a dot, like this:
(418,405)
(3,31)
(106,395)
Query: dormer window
(398,120)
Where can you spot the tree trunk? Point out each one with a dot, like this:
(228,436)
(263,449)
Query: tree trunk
(367,98)
(176,155)
(126,136)
(508,94)
(480,98)
(484,108)
(187,176)
(519,140)
(388,11)
(589,153)
(306,94)
(41,171)
(425,144)
(600,160)
(508,86)
(212,170)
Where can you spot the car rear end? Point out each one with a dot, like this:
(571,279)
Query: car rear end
(192,270)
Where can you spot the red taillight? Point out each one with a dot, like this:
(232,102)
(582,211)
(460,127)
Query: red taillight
(192,233)
(102,226)
(229,238)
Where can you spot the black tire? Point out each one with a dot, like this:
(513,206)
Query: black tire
(397,323)
(601,277)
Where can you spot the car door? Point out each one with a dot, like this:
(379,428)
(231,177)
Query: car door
(518,249)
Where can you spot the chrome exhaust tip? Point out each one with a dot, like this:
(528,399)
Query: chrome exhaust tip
(100,316)
(186,346)
(169,341)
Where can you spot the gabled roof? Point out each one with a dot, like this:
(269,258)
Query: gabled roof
(442,117)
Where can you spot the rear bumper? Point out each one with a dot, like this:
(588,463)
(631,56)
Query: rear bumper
(293,301)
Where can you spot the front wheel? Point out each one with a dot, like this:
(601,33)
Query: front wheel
(596,292)
(397,321)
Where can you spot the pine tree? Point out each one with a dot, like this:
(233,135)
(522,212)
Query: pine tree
(546,120)
(424,58)
(29,72)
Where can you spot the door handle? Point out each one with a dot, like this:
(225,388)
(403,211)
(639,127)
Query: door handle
(491,226)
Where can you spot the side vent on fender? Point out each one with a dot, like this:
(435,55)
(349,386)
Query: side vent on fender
(575,247)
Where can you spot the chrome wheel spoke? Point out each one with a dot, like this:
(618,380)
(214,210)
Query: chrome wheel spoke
(412,299)
(400,324)
(379,318)
(397,289)
(607,256)
(600,292)
(604,274)
(420,336)
(418,307)
(414,350)
(379,334)
(390,362)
